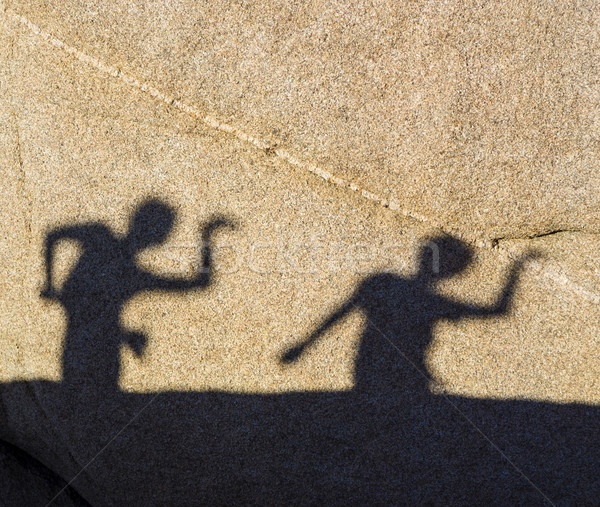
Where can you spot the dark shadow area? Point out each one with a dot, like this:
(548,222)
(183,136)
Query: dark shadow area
(388,441)
(25,481)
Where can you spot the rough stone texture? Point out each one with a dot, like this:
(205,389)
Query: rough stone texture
(507,410)
(25,481)
(481,118)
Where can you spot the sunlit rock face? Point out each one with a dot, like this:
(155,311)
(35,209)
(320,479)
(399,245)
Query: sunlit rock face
(482,120)
(227,270)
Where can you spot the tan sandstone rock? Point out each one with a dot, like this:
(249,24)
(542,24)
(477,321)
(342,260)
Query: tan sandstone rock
(480,118)
(501,399)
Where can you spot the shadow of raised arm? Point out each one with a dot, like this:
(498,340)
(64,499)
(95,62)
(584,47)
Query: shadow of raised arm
(204,274)
(292,354)
(502,304)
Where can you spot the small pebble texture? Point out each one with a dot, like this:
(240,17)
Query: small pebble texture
(480,116)
(333,148)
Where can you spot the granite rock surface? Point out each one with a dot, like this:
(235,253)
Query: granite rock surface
(322,154)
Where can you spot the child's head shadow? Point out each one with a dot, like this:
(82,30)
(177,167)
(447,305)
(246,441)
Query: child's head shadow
(151,224)
(443,257)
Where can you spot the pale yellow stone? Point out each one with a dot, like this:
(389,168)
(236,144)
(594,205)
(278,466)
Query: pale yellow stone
(481,118)
(92,126)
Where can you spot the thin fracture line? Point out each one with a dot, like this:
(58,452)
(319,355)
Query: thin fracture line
(104,448)
(212,122)
(272,148)
(269,148)
(447,398)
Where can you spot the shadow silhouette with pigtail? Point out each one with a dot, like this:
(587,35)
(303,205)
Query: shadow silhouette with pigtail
(105,278)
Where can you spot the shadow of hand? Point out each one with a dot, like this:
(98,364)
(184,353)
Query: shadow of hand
(137,342)
(49,293)
(292,354)
(529,256)
(217,222)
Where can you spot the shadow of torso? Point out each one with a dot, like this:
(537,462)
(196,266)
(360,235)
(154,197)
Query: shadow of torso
(104,278)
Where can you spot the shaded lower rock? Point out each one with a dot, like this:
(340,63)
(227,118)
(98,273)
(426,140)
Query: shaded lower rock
(389,447)
(24,481)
